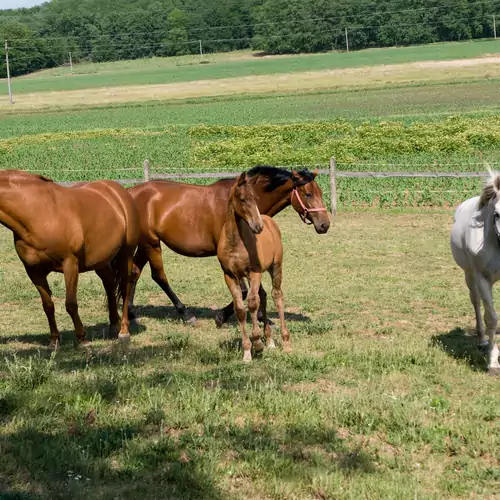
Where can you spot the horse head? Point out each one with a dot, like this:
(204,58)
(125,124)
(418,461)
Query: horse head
(307,200)
(244,202)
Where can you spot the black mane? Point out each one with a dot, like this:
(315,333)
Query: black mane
(276,176)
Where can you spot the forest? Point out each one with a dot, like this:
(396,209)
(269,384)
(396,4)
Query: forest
(92,30)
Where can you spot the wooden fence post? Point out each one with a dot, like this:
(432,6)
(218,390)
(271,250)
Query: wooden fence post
(146,170)
(333,185)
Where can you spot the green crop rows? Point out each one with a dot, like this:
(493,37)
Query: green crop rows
(449,144)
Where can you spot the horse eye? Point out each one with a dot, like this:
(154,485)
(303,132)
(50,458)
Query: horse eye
(243,200)
(308,195)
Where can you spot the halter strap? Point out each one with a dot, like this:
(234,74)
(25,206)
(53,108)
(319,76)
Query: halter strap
(303,215)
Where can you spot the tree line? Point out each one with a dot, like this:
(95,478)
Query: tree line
(42,37)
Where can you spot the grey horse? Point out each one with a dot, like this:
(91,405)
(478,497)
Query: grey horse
(475,244)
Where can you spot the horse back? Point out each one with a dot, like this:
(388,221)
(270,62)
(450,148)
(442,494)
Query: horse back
(187,218)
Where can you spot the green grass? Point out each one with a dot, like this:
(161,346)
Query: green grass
(384,395)
(408,103)
(159,71)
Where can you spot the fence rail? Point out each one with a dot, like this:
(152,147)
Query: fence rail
(332,172)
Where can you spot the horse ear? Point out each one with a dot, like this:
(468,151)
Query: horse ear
(316,172)
(295,177)
(242,179)
(496,183)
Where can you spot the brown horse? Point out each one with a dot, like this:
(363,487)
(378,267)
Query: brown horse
(249,245)
(70,230)
(189,218)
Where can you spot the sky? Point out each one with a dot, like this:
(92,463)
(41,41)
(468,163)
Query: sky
(15,4)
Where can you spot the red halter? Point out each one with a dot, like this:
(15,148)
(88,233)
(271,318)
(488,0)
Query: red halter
(303,215)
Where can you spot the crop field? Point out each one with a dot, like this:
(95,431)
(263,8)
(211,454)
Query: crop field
(446,144)
(186,68)
(383,396)
(385,393)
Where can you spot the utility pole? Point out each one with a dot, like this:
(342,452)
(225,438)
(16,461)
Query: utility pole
(71,62)
(201,53)
(8,71)
(494,27)
(346,40)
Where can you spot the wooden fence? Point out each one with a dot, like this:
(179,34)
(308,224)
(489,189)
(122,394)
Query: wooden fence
(332,172)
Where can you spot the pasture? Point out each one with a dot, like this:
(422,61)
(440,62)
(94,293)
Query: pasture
(384,394)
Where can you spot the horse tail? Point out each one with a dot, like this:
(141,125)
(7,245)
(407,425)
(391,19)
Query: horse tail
(118,267)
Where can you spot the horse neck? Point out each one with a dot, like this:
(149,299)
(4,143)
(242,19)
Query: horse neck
(12,203)
(237,230)
(272,202)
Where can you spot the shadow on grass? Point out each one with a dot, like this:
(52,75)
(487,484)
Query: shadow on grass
(95,332)
(86,461)
(462,344)
(169,312)
(89,462)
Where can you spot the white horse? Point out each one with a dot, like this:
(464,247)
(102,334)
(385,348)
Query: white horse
(475,244)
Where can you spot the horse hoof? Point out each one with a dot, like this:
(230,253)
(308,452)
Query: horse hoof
(258,346)
(271,344)
(124,338)
(83,343)
(54,345)
(192,321)
(494,372)
(287,347)
(483,346)
(219,319)
(247,357)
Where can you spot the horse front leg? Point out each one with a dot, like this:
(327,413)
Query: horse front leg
(475,299)
(224,314)
(491,319)
(253,307)
(241,314)
(71,272)
(39,279)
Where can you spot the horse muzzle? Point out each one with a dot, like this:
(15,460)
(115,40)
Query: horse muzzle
(256,228)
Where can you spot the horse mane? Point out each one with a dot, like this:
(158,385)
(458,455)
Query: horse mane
(277,176)
(13,174)
(491,188)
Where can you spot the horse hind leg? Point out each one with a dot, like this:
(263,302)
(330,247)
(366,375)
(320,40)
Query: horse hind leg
(491,320)
(253,307)
(71,272)
(39,279)
(276,276)
(160,278)
(475,299)
(125,263)
(140,260)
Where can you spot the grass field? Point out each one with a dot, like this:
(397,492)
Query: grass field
(384,395)
(185,69)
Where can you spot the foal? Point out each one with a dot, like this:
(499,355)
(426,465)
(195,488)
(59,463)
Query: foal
(249,245)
